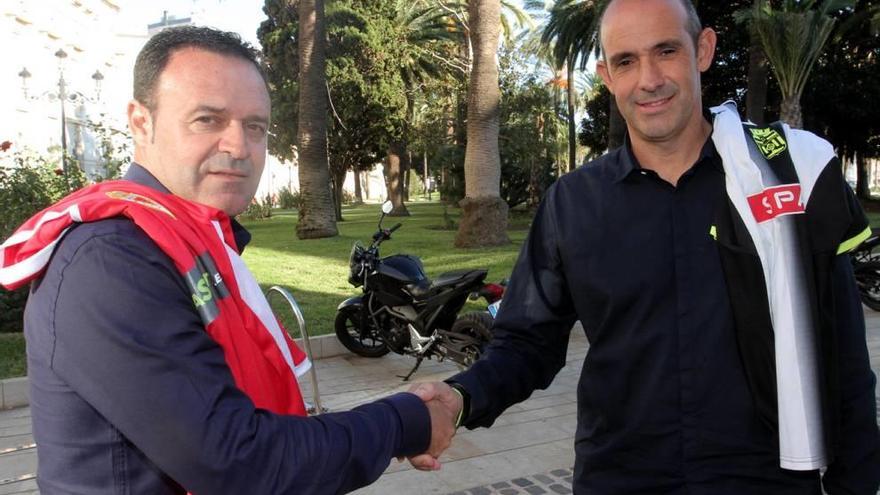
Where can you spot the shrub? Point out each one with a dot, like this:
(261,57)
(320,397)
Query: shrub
(288,199)
(259,210)
(28,183)
(348,197)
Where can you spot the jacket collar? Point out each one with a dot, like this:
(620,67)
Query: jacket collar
(138,174)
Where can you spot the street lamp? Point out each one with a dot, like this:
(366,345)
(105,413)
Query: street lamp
(63,95)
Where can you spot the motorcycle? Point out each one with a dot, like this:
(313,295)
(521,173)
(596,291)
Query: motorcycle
(866,266)
(402,310)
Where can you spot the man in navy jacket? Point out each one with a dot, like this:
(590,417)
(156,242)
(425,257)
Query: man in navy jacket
(129,394)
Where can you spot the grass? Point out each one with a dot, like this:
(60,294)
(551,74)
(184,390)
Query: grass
(12,355)
(316,271)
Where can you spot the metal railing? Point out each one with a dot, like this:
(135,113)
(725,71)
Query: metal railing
(313,374)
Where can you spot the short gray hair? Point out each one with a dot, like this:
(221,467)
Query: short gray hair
(693,26)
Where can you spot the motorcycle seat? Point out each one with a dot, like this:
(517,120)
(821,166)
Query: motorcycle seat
(456,277)
(424,289)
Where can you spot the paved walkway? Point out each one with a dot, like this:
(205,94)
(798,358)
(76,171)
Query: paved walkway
(527,451)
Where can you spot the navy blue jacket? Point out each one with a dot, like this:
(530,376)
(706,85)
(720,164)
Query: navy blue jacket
(130,395)
(664,405)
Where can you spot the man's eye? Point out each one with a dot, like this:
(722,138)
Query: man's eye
(668,51)
(207,119)
(257,129)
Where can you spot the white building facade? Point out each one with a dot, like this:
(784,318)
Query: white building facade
(102,36)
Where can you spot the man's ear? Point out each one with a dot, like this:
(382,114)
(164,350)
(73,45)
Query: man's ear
(706,49)
(140,122)
(602,69)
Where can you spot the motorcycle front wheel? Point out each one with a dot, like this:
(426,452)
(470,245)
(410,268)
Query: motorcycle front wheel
(359,339)
(868,281)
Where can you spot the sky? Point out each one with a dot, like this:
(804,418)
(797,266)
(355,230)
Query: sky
(240,16)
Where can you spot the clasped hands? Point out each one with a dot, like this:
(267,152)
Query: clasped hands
(444,405)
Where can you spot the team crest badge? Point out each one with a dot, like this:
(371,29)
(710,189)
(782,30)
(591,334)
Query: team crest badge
(768,140)
(141,200)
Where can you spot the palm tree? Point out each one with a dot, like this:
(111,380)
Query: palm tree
(484,213)
(573,31)
(565,32)
(793,36)
(317,215)
(423,33)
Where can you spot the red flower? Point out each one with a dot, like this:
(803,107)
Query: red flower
(59,172)
(5,145)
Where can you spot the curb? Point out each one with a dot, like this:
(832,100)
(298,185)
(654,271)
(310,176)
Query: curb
(14,392)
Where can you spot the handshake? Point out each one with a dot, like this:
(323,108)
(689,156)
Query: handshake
(444,405)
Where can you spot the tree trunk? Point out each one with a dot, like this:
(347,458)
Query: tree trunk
(557,110)
(790,111)
(406,174)
(367,184)
(317,217)
(358,191)
(756,96)
(863,188)
(395,166)
(338,182)
(616,125)
(484,213)
(572,103)
(426,179)
(535,168)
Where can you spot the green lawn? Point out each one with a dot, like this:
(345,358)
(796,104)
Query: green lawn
(316,271)
(12,357)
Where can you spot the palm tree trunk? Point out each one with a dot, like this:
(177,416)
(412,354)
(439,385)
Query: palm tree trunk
(756,96)
(572,102)
(536,189)
(317,217)
(484,213)
(790,111)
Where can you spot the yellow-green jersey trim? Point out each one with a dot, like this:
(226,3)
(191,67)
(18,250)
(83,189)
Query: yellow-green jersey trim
(713,232)
(851,243)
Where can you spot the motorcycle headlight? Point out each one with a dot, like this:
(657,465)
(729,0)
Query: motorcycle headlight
(355,263)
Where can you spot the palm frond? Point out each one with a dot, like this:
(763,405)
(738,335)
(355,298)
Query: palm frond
(792,40)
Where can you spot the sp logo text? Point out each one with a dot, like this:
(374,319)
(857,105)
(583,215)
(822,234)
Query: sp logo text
(776,201)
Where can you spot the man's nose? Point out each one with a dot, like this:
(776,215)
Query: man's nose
(233,141)
(650,76)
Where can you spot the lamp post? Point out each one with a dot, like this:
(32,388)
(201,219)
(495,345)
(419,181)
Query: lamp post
(63,94)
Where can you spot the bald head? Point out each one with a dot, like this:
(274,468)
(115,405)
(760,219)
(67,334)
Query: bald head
(691,20)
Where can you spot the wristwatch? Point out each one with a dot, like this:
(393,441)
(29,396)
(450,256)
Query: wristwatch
(465,403)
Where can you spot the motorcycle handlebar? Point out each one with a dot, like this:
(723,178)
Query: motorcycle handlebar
(384,235)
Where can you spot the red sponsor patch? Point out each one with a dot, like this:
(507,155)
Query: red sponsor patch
(776,201)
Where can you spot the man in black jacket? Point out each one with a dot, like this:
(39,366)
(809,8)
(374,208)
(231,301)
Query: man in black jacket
(672,398)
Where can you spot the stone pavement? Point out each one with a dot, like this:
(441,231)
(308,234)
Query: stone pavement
(527,451)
